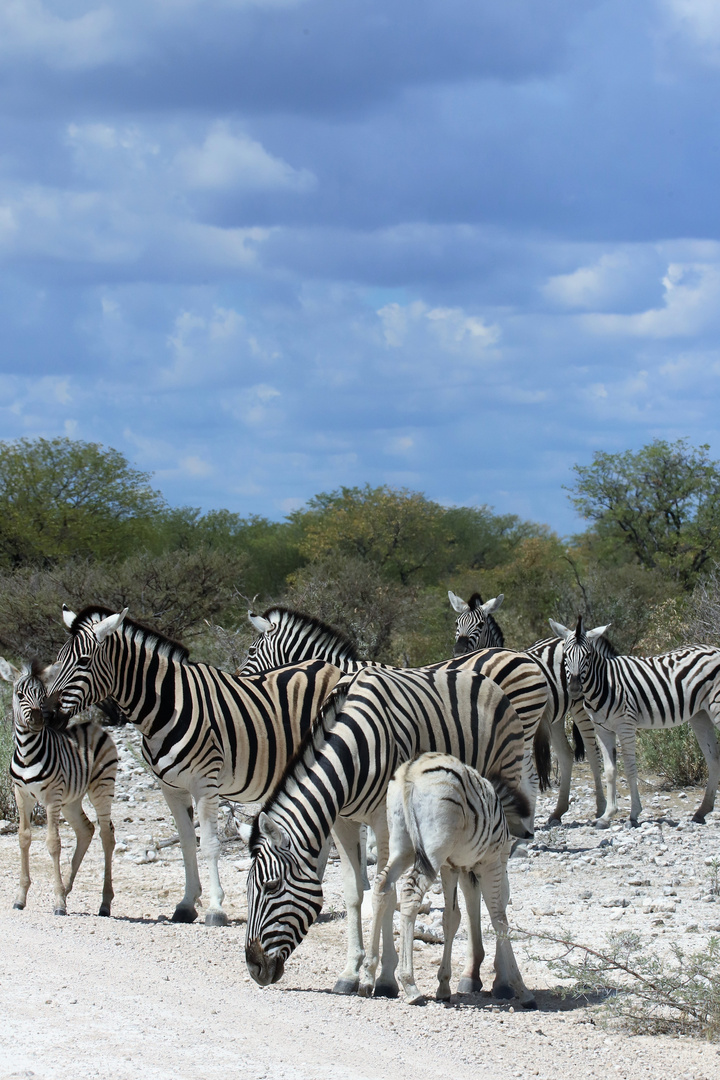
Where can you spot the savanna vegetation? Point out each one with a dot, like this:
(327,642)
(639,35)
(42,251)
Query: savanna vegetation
(78,524)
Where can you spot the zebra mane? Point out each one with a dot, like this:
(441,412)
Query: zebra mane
(331,707)
(146,635)
(475,602)
(604,646)
(336,639)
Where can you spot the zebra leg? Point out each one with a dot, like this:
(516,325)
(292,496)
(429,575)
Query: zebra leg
(54,847)
(606,739)
(394,860)
(25,803)
(451,921)
(181,808)
(386,985)
(470,981)
(564,754)
(704,730)
(102,801)
(84,830)
(208,805)
(348,839)
(416,885)
(496,893)
(593,756)
(626,735)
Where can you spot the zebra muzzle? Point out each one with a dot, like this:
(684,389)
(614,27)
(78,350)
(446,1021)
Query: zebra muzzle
(263,968)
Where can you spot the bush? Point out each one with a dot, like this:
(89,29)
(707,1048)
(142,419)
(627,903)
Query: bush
(8,809)
(673,754)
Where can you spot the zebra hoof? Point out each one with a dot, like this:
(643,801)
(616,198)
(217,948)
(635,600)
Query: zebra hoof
(104,912)
(698,818)
(60,911)
(346,986)
(183,914)
(216,918)
(602,823)
(19,907)
(553,822)
(386,990)
(466,985)
(503,992)
(416,999)
(530,1004)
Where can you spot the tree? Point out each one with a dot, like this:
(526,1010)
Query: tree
(400,531)
(659,506)
(60,498)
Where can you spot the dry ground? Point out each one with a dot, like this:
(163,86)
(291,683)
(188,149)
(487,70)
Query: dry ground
(137,996)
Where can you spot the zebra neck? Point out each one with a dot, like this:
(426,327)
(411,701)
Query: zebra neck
(142,684)
(595,686)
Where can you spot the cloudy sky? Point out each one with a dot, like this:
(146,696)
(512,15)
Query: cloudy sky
(269,247)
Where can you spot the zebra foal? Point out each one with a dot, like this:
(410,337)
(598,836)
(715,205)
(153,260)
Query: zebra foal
(57,770)
(623,693)
(444,816)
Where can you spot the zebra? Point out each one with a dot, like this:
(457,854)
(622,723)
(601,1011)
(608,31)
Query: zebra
(475,628)
(444,816)
(339,777)
(623,693)
(286,636)
(206,734)
(57,770)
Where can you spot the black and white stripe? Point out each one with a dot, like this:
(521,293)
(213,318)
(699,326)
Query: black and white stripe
(623,693)
(57,770)
(339,778)
(286,637)
(444,817)
(206,733)
(476,628)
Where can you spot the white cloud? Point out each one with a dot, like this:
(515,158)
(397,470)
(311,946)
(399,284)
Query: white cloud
(227,160)
(698,22)
(452,328)
(195,466)
(691,303)
(253,406)
(590,286)
(29,29)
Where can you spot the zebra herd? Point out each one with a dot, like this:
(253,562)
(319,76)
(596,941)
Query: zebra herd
(324,741)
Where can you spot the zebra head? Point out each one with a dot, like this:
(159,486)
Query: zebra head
(284,898)
(29,694)
(290,637)
(82,675)
(472,628)
(578,652)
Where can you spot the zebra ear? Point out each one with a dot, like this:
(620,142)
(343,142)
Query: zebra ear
(108,626)
(244,831)
(273,832)
(260,624)
(493,605)
(559,630)
(7,671)
(599,631)
(457,604)
(68,616)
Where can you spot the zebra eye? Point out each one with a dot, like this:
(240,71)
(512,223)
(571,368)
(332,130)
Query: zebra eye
(84,661)
(272,886)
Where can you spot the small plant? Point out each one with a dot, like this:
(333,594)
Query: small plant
(646,993)
(674,754)
(714,877)
(8,809)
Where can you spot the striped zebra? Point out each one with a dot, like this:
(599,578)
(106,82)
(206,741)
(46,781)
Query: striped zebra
(476,628)
(623,693)
(288,637)
(206,734)
(445,817)
(340,777)
(57,770)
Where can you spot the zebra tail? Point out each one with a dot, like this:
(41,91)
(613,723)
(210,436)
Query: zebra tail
(579,743)
(541,747)
(514,802)
(422,862)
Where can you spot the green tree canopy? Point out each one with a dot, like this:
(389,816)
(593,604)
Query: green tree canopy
(61,498)
(659,505)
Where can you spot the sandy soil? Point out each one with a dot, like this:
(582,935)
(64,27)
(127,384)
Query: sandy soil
(137,996)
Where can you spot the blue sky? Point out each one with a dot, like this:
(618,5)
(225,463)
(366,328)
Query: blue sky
(270,247)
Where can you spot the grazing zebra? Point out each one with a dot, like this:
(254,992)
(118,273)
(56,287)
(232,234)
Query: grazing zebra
(476,628)
(287,637)
(340,775)
(206,734)
(57,770)
(623,693)
(444,816)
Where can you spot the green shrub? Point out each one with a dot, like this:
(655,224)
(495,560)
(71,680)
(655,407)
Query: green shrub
(673,754)
(8,809)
